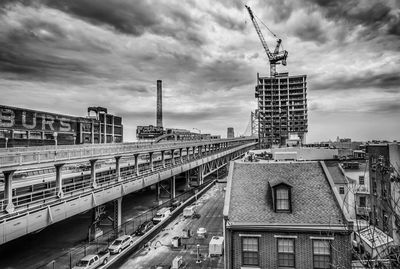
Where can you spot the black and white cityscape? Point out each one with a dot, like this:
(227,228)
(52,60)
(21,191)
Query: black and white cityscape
(199,134)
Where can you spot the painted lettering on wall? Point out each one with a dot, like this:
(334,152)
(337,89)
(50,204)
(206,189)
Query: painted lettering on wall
(16,118)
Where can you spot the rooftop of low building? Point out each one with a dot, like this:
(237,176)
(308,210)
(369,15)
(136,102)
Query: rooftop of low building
(250,196)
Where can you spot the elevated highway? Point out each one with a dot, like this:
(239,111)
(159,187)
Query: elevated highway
(29,208)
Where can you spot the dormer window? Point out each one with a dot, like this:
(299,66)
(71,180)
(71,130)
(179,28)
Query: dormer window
(282,199)
(281,195)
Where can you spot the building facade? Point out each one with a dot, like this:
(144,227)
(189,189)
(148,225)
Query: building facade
(384,159)
(230,132)
(284,215)
(20,127)
(282,107)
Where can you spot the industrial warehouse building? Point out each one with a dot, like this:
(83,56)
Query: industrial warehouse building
(284,215)
(282,107)
(20,127)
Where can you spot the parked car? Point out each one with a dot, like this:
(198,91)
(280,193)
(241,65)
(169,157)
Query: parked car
(189,211)
(175,204)
(93,261)
(201,232)
(161,215)
(144,227)
(120,244)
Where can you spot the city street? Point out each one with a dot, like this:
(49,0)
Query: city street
(39,248)
(159,251)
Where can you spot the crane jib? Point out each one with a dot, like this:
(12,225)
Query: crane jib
(276,56)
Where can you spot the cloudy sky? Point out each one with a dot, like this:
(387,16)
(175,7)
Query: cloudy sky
(62,56)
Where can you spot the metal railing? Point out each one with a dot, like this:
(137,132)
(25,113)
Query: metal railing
(42,197)
(96,151)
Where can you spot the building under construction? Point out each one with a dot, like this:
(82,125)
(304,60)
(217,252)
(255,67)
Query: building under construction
(282,107)
(282,99)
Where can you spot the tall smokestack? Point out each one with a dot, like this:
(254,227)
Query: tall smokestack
(159,103)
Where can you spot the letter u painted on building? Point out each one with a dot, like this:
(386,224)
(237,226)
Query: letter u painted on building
(24,121)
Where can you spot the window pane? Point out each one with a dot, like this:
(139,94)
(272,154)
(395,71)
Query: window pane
(250,244)
(321,262)
(286,254)
(282,199)
(282,194)
(250,258)
(286,245)
(363,201)
(322,254)
(321,247)
(250,251)
(286,260)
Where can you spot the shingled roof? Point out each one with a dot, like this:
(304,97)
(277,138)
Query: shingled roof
(313,200)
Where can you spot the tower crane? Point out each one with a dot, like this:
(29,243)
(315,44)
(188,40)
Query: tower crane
(275,57)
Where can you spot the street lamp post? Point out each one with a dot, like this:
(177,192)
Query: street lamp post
(198,254)
(55,134)
(6,142)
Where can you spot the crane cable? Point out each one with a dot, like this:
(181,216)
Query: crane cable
(265,25)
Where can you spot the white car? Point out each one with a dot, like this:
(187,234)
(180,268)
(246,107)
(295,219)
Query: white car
(120,244)
(201,232)
(161,215)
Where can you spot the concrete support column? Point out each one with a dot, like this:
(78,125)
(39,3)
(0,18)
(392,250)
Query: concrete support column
(181,154)
(194,152)
(93,173)
(8,176)
(173,187)
(199,149)
(59,185)
(163,158)
(187,178)
(118,167)
(117,220)
(187,153)
(137,163)
(172,156)
(151,161)
(200,175)
(158,188)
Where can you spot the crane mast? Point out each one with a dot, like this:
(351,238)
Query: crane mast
(277,56)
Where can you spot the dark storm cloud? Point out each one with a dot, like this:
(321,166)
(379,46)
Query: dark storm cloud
(386,81)
(18,60)
(373,14)
(228,22)
(311,31)
(131,89)
(282,10)
(134,17)
(131,17)
(225,74)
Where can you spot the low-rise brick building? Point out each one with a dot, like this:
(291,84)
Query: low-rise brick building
(284,215)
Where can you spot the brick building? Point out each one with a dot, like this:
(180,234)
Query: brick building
(284,215)
(384,159)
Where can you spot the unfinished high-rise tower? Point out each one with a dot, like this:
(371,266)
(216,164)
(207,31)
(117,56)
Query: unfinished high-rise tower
(282,107)
(282,99)
(159,103)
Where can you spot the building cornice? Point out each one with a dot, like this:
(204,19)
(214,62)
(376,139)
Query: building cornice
(281,227)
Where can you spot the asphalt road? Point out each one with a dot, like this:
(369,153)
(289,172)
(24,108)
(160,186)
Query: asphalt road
(160,252)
